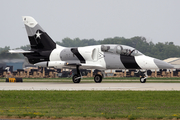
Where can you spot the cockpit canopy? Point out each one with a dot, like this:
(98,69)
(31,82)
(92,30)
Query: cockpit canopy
(120,49)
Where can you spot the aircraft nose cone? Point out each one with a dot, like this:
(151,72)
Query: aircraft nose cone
(162,65)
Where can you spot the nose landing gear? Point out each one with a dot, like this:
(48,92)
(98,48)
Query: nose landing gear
(142,80)
(143,76)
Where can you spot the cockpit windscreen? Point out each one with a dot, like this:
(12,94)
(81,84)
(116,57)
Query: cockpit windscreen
(120,49)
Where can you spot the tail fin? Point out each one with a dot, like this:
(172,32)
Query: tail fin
(38,38)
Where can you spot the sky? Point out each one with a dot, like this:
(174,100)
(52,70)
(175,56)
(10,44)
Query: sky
(156,20)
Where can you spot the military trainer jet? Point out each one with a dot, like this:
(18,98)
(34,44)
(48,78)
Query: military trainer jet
(45,52)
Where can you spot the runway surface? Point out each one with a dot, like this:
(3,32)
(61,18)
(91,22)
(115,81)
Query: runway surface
(89,86)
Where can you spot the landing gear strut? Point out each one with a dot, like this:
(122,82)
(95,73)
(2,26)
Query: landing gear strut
(77,77)
(143,76)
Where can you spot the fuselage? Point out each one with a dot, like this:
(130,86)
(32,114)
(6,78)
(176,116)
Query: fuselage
(107,56)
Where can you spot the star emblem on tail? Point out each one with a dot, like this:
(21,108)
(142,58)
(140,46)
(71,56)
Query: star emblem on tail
(38,34)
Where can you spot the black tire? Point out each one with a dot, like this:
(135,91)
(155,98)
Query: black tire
(76,80)
(142,80)
(98,78)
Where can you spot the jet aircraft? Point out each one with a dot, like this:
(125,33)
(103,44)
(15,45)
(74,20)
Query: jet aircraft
(45,52)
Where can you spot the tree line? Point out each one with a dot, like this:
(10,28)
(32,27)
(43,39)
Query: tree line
(158,50)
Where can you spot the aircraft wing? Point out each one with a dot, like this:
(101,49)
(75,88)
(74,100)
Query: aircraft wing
(19,51)
(87,66)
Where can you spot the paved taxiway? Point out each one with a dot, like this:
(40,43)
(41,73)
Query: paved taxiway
(88,86)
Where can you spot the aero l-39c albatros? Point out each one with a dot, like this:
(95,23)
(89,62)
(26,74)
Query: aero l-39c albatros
(45,52)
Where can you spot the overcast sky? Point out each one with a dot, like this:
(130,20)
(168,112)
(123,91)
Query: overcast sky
(157,20)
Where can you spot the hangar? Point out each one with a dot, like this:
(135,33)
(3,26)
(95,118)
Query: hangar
(174,61)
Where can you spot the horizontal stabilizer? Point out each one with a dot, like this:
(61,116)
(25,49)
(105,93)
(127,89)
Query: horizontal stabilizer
(19,51)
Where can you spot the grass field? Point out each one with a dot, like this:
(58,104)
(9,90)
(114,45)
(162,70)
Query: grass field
(106,104)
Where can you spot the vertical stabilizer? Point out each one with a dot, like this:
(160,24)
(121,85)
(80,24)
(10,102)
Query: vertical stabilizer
(38,38)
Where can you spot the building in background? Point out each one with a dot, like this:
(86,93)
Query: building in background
(174,61)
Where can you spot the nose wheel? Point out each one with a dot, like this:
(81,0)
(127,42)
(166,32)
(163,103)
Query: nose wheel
(143,76)
(142,79)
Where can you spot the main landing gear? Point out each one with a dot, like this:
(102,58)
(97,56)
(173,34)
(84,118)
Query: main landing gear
(143,76)
(77,77)
(98,78)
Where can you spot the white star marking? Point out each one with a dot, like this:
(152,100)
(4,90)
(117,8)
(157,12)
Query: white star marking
(38,35)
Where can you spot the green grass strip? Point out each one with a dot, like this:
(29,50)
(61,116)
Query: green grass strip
(107,104)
